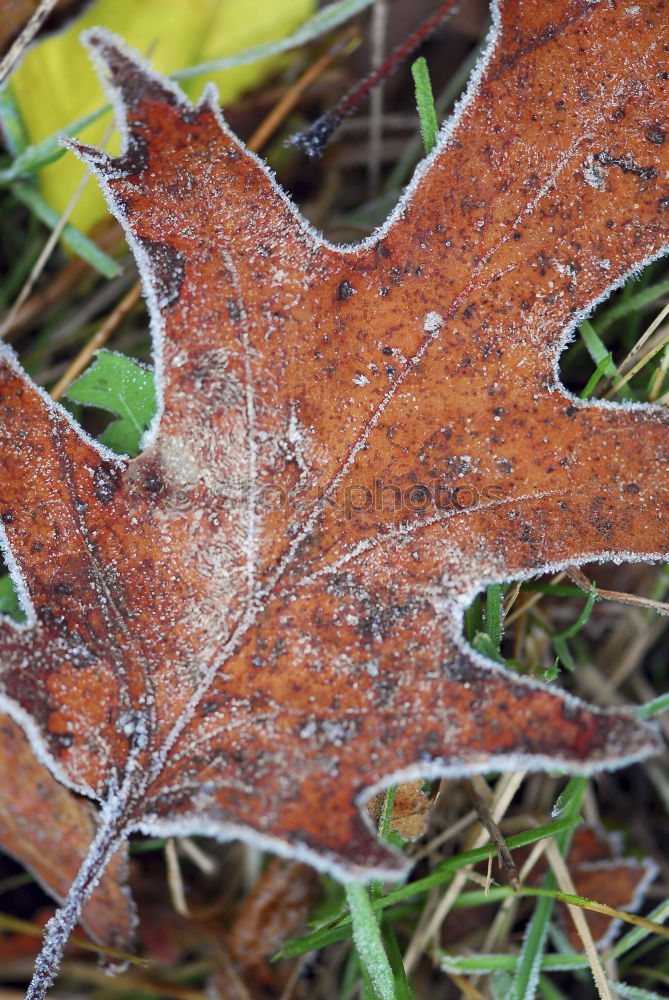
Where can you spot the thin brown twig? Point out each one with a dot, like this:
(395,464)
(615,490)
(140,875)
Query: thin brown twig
(282,108)
(531,601)
(486,820)
(578,577)
(22,42)
(648,356)
(430,922)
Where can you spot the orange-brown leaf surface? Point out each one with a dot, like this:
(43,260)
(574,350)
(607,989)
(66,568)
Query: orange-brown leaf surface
(258,621)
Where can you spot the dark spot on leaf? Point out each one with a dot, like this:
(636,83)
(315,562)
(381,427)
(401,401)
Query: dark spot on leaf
(656,135)
(106,483)
(168,269)
(345,290)
(153,483)
(627,165)
(234,312)
(207,707)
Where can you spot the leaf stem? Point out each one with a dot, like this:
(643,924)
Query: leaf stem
(112,830)
(57,931)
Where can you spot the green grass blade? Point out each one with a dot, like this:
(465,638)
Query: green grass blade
(639,934)
(427,114)
(593,381)
(403,990)
(447,98)
(632,304)
(71,237)
(636,992)
(601,356)
(654,707)
(442,874)
(549,991)
(526,978)
(325,20)
(12,122)
(494,612)
(563,653)
(368,943)
(470,964)
(32,158)
(560,639)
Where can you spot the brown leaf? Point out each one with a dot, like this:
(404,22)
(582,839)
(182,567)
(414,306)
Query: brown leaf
(274,910)
(266,605)
(49,830)
(411,809)
(600,872)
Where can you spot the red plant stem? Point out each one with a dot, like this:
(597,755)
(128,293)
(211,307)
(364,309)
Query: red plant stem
(315,138)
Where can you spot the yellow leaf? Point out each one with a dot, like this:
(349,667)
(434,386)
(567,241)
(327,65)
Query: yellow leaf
(56,84)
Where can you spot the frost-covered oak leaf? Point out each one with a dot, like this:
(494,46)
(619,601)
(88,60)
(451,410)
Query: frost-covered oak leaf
(258,621)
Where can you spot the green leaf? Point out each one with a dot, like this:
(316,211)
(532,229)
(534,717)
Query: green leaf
(9,602)
(123,387)
(486,646)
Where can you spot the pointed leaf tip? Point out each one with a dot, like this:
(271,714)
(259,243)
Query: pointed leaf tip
(127,71)
(92,156)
